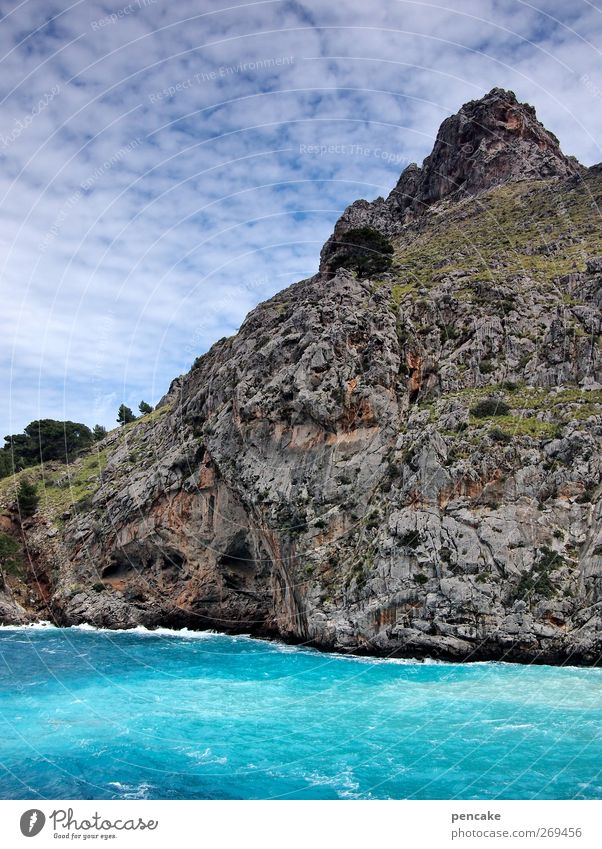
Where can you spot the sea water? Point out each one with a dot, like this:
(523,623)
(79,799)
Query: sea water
(93,714)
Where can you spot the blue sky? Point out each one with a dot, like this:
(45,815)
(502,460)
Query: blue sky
(167,166)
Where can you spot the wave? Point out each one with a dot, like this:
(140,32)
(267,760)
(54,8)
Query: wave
(139,629)
(187,633)
(149,632)
(276,645)
(131,791)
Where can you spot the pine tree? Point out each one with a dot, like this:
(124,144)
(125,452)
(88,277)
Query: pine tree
(99,432)
(6,464)
(27,498)
(145,408)
(48,439)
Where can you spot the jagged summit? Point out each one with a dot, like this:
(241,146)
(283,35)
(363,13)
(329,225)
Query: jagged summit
(490,141)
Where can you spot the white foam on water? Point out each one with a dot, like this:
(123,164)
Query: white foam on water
(149,632)
(139,629)
(276,645)
(131,791)
(30,626)
(187,633)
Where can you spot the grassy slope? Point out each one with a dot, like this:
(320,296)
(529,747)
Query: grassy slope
(523,230)
(63,487)
(527,228)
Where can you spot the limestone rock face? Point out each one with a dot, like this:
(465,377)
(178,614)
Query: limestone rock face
(11,612)
(488,142)
(405,465)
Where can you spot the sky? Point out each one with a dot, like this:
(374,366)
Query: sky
(164,167)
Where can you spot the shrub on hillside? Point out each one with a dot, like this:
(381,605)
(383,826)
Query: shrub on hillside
(364,250)
(490,407)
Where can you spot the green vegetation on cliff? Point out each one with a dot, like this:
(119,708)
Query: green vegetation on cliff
(44,440)
(364,250)
(527,229)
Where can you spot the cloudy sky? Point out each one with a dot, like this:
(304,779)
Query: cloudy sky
(160,173)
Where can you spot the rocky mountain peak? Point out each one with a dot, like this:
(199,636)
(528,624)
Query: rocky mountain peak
(490,141)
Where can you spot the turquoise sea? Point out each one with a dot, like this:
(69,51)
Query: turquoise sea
(87,714)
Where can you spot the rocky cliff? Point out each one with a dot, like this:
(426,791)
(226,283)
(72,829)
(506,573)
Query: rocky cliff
(406,464)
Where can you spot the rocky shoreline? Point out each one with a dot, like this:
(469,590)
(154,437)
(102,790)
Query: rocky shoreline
(397,464)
